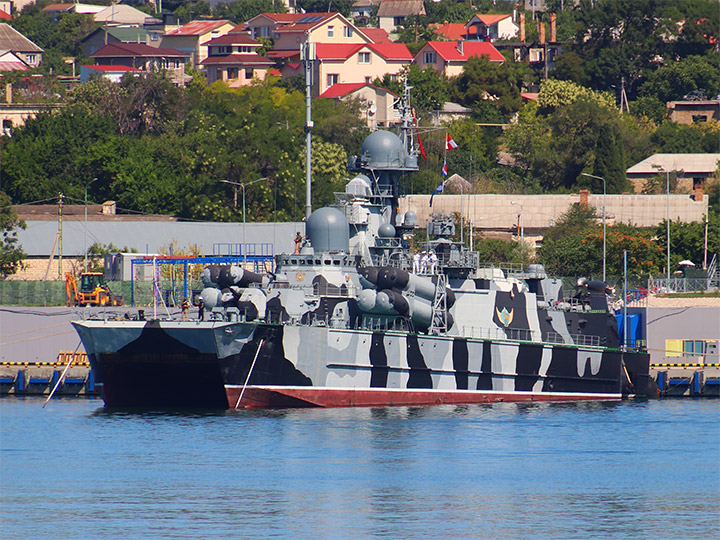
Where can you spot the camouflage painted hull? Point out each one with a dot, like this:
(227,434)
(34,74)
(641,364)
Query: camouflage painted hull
(253,365)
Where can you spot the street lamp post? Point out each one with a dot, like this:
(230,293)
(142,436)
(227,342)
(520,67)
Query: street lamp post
(604,221)
(667,219)
(243,199)
(522,224)
(85,266)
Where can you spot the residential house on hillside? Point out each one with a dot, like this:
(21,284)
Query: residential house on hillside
(377,104)
(111,73)
(102,36)
(692,172)
(264,24)
(234,58)
(491,27)
(145,58)
(362,9)
(9,61)
(21,47)
(449,57)
(328,28)
(358,63)
(190,37)
(392,13)
(123,15)
(694,111)
(84,9)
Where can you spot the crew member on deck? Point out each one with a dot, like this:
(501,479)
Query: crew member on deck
(201,308)
(185,306)
(298,242)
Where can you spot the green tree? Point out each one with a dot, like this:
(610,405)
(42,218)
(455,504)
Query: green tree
(11,254)
(240,11)
(673,81)
(430,88)
(481,80)
(325,6)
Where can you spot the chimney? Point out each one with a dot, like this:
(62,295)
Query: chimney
(460,47)
(541,32)
(522,28)
(584,198)
(553,28)
(8,93)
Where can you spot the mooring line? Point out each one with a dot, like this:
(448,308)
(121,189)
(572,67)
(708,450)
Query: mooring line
(62,376)
(257,353)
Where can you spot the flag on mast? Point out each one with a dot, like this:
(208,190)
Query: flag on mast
(438,189)
(449,143)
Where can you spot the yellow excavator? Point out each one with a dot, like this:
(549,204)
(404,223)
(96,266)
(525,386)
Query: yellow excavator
(92,292)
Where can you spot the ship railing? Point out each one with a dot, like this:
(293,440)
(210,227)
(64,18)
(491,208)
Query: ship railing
(586,340)
(516,334)
(317,289)
(679,285)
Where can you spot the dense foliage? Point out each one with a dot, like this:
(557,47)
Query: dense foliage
(11,254)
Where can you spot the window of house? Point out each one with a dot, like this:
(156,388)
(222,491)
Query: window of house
(347,32)
(332,78)
(397,21)
(368,80)
(232,73)
(331,31)
(265,31)
(699,118)
(394,77)
(430,57)
(30,58)
(249,73)
(154,36)
(364,58)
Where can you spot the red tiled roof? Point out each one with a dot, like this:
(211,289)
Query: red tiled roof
(274,72)
(391,51)
(285,17)
(238,58)
(197,28)
(530,96)
(377,35)
(336,51)
(233,38)
(449,30)
(489,19)
(448,50)
(5,16)
(58,7)
(119,50)
(102,67)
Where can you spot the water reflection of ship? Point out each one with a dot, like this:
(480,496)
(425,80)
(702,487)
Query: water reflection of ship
(346,322)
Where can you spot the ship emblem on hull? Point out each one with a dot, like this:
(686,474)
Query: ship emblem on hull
(505,316)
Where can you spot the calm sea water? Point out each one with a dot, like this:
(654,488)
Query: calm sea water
(630,470)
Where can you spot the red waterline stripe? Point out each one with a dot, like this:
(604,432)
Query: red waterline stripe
(259,397)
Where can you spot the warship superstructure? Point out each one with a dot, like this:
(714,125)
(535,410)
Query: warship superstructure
(351,319)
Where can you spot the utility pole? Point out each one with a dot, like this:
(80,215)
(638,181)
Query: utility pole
(60,205)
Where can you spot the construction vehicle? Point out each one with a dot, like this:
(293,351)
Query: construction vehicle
(92,292)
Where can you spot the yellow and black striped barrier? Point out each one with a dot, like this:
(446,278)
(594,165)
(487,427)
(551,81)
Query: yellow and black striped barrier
(48,364)
(684,365)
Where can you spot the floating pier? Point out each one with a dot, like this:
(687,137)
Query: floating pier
(39,378)
(687,380)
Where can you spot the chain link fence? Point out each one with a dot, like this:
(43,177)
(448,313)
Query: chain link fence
(54,293)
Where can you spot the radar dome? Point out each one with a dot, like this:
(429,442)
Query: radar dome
(386,231)
(383,150)
(410,219)
(328,230)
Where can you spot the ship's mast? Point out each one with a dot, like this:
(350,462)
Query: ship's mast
(307,54)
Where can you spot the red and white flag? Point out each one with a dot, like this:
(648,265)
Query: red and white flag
(449,143)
